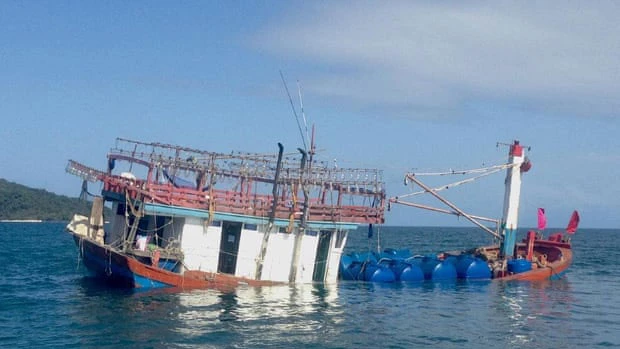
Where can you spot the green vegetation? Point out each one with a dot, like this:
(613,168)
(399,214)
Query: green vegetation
(21,202)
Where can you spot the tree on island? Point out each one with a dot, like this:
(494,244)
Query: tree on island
(19,202)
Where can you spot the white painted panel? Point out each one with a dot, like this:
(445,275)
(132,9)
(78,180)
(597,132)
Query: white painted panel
(249,248)
(194,243)
(334,257)
(307,255)
(278,258)
(211,249)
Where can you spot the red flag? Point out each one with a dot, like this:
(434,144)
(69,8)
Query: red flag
(573,223)
(542,220)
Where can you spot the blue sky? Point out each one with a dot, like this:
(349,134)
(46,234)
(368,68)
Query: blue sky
(397,86)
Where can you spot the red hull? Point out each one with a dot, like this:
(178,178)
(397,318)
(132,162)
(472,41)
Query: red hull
(559,258)
(125,270)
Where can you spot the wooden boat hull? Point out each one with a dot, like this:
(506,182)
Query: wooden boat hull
(563,257)
(123,270)
(558,257)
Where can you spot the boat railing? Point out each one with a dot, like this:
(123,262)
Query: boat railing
(236,202)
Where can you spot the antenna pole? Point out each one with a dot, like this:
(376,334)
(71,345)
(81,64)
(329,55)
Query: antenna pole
(303,113)
(303,139)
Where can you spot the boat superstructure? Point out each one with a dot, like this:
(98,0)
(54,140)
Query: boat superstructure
(185,217)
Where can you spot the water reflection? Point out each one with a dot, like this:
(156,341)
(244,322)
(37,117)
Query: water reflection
(303,311)
(448,315)
(528,311)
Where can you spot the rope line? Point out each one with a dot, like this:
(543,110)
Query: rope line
(489,171)
(464,172)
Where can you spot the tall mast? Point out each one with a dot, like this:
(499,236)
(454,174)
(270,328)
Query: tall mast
(516,157)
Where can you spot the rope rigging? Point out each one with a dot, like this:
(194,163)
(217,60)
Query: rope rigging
(483,173)
(465,172)
(454,210)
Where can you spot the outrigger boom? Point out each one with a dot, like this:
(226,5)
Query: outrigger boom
(457,211)
(516,165)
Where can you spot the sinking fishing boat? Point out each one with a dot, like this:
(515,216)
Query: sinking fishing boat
(534,258)
(189,218)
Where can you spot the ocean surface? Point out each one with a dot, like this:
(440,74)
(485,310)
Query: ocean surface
(48,301)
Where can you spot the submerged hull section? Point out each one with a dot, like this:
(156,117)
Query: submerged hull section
(124,270)
(552,259)
(104,263)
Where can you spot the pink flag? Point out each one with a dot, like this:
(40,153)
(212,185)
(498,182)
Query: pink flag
(573,223)
(542,220)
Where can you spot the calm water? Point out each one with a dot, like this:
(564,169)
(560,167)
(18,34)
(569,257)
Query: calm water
(47,301)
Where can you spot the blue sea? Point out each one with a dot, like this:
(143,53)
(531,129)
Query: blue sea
(48,301)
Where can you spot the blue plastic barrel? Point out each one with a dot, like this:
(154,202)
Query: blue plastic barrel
(434,269)
(411,272)
(378,273)
(469,267)
(351,272)
(452,259)
(404,271)
(345,261)
(397,267)
(519,265)
(395,254)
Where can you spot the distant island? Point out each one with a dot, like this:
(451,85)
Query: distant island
(21,203)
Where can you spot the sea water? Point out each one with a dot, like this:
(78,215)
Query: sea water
(47,300)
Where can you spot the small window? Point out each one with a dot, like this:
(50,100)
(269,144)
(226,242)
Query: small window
(250,226)
(216,223)
(311,233)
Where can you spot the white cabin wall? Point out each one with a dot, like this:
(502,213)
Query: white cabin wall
(249,249)
(279,256)
(307,255)
(211,252)
(334,256)
(195,245)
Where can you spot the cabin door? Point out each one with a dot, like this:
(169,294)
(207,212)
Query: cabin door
(322,254)
(229,247)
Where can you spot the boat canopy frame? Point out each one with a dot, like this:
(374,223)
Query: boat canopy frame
(350,195)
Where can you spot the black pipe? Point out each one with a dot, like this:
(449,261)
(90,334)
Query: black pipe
(272,214)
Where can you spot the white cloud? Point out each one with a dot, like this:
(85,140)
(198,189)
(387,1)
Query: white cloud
(556,56)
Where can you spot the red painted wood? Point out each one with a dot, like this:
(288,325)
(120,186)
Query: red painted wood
(226,201)
(560,257)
